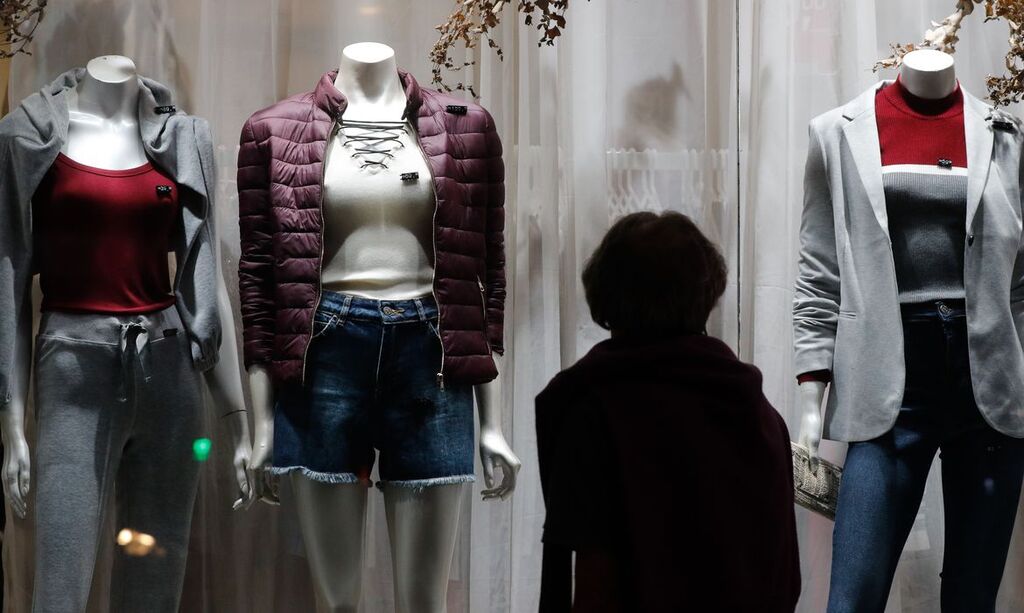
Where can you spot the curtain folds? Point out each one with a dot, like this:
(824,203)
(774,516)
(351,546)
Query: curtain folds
(699,106)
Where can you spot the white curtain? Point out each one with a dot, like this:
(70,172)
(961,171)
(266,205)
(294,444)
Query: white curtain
(699,106)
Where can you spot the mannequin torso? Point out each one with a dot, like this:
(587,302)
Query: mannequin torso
(378,221)
(927,74)
(366,232)
(103,130)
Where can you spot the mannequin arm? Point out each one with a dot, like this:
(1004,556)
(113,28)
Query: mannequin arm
(12,420)
(225,385)
(262,389)
(493,446)
(811,395)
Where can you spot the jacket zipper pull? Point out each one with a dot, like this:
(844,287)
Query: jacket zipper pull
(440,380)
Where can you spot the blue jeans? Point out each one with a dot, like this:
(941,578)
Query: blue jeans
(372,384)
(884,479)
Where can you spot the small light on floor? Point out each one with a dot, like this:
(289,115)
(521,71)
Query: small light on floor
(137,544)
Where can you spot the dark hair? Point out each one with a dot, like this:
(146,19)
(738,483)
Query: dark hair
(654,274)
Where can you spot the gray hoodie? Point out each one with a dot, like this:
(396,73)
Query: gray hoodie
(180,145)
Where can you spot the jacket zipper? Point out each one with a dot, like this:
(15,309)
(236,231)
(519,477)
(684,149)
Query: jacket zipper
(433,231)
(320,263)
(483,308)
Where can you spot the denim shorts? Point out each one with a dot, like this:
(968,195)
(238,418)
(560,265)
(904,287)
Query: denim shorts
(372,385)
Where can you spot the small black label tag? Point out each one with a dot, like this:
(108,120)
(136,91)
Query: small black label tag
(410,176)
(1004,125)
(165,110)
(457,109)
(944,163)
(163,190)
(170,332)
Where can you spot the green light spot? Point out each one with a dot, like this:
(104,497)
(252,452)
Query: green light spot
(201,449)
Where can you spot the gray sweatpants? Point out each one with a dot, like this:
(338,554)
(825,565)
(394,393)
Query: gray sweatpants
(117,404)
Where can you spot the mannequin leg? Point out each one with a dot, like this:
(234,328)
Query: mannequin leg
(333,522)
(158,480)
(880,493)
(981,484)
(80,426)
(423,525)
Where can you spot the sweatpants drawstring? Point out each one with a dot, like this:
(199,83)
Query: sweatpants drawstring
(134,337)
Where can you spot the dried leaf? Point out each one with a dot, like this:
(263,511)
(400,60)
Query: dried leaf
(474,20)
(18,22)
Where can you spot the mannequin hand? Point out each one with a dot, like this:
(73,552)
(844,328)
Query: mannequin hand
(811,394)
(265,484)
(495,449)
(17,479)
(239,423)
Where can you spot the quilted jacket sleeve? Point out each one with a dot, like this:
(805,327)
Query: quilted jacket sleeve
(495,180)
(256,263)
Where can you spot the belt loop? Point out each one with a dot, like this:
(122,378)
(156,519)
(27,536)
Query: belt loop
(344,309)
(420,309)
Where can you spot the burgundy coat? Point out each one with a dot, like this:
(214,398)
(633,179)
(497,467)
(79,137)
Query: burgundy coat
(280,177)
(664,458)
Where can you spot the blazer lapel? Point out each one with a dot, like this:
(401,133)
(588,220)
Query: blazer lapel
(978,133)
(862,137)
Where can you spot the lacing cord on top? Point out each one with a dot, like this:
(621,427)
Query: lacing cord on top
(377,142)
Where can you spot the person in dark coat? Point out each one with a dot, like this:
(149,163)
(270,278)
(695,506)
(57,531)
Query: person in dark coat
(663,466)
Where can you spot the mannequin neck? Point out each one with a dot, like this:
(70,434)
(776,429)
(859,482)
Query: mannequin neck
(368,76)
(109,89)
(928,74)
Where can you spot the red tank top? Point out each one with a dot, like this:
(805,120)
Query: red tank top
(102,238)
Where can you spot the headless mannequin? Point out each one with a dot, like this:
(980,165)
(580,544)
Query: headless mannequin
(422,524)
(927,74)
(104,133)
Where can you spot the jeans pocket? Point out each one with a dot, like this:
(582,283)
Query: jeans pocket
(324,323)
(432,324)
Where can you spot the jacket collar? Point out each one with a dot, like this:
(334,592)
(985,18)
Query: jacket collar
(331,101)
(167,134)
(861,132)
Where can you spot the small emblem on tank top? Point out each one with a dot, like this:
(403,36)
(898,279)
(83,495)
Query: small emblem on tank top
(410,176)
(457,109)
(163,190)
(944,163)
(170,332)
(165,110)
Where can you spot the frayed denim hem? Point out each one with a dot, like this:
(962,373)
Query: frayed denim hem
(418,485)
(312,475)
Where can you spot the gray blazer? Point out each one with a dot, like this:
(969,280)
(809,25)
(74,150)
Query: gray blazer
(31,136)
(846,312)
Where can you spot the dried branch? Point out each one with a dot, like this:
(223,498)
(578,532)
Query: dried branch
(474,20)
(18,22)
(1009,87)
(944,36)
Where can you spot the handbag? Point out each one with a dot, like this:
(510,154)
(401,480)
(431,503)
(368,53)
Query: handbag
(815,488)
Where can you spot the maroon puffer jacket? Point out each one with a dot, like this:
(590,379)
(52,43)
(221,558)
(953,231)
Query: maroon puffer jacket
(279,186)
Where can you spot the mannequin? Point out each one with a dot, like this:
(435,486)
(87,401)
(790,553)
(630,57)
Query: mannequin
(104,134)
(927,74)
(422,522)
(906,304)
